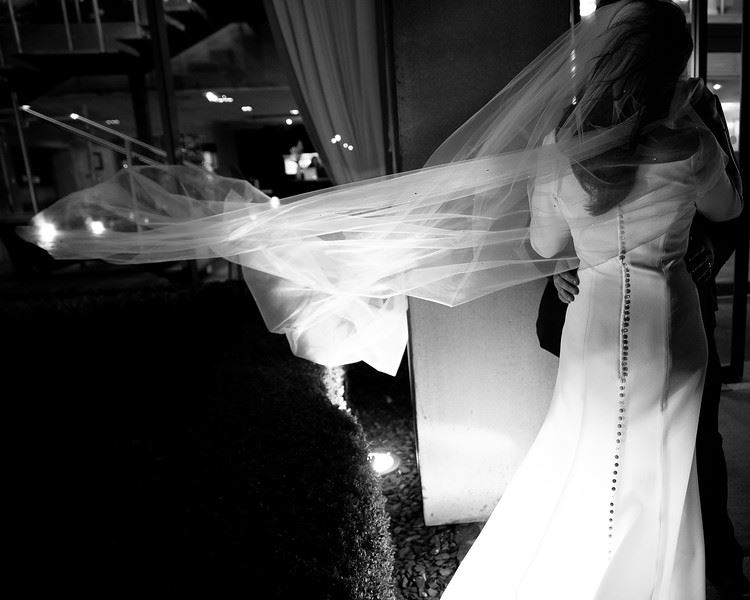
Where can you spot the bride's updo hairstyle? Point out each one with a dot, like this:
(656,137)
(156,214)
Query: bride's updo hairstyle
(632,81)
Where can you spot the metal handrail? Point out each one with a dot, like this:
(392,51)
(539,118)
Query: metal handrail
(66,22)
(125,149)
(98,20)
(109,130)
(14,24)
(101,42)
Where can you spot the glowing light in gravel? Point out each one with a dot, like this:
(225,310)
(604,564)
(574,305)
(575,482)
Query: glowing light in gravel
(383,462)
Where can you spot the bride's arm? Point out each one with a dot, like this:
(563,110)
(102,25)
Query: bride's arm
(549,231)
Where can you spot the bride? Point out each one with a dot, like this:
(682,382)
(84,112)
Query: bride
(605,505)
(592,157)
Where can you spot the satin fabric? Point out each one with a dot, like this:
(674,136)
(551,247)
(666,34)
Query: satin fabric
(605,505)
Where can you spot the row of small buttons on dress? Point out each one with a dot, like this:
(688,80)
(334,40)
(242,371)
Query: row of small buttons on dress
(623,366)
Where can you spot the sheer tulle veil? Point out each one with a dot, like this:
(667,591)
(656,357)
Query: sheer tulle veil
(331,269)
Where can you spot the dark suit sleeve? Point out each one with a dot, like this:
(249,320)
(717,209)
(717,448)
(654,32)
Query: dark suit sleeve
(550,319)
(723,235)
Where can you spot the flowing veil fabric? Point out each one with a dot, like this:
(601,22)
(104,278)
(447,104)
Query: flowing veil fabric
(331,268)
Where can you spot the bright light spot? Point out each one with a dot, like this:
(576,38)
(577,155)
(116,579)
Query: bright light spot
(288,121)
(587,7)
(25,107)
(275,202)
(214,97)
(716,86)
(246,108)
(74,116)
(294,111)
(383,462)
(47,232)
(345,145)
(351,147)
(333,140)
(337,137)
(95,227)
(112,121)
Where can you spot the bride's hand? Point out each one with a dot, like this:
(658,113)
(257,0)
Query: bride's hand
(566,284)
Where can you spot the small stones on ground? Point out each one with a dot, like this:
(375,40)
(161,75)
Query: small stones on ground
(426,556)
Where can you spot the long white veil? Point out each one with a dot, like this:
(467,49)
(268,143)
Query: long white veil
(331,268)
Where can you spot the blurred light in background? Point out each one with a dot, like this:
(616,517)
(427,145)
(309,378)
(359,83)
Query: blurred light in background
(587,7)
(47,233)
(246,108)
(96,227)
(732,116)
(213,97)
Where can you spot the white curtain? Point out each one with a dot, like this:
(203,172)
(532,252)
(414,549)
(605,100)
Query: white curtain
(333,54)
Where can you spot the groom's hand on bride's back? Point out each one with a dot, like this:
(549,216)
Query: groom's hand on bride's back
(566,284)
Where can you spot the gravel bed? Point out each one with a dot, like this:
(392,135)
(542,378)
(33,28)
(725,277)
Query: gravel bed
(426,556)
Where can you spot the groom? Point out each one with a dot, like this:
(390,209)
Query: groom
(710,246)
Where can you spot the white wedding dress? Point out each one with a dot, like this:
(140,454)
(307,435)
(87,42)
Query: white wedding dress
(605,505)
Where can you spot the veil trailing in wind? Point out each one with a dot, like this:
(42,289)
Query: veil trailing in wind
(331,269)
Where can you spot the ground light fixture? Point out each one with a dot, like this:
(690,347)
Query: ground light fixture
(383,461)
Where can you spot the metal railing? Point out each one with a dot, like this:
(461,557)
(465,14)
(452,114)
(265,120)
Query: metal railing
(70,21)
(158,156)
(66,22)
(128,142)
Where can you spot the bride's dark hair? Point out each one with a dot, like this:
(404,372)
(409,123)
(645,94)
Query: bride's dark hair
(634,79)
